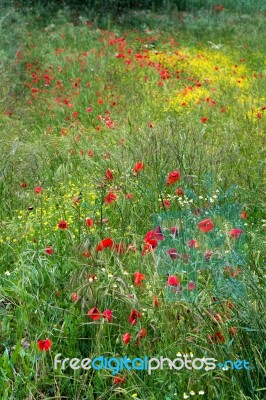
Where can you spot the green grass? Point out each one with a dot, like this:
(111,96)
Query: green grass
(55,63)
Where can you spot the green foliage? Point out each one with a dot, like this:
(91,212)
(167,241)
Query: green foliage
(44,143)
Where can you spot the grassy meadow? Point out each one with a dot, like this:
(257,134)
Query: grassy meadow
(132,184)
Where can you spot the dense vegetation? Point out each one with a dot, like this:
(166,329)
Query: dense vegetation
(132,194)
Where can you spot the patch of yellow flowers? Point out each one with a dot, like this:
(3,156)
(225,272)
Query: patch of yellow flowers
(207,74)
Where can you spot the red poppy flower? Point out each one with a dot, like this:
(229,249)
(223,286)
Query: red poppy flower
(86,253)
(138,278)
(23,184)
(8,113)
(94,313)
(49,250)
(44,345)
(38,189)
(172,254)
(110,197)
(173,177)
(119,380)
(206,225)
(89,109)
(227,270)
(236,272)
(218,318)
(151,242)
(133,318)
(89,222)
(191,286)
(129,196)
(179,192)
(126,338)
(233,330)
(174,231)
(208,255)
(74,297)
(173,280)
(149,246)
(76,200)
(193,243)
(109,174)
(218,8)
(105,243)
(204,120)
(62,224)
(139,166)
(155,301)
(166,203)
(149,235)
(158,234)
(142,333)
(216,338)
(243,215)
(90,153)
(236,232)
(212,338)
(146,249)
(108,314)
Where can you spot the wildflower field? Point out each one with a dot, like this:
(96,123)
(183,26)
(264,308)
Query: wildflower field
(132,182)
